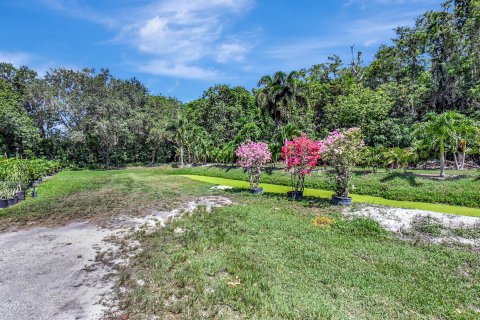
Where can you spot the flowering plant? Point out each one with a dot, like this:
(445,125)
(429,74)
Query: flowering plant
(343,149)
(301,156)
(251,157)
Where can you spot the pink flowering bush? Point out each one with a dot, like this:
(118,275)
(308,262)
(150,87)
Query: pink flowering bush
(301,156)
(251,157)
(343,149)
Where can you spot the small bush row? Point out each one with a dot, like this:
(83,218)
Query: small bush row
(18,174)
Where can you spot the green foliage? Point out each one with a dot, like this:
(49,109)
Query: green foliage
(23,172)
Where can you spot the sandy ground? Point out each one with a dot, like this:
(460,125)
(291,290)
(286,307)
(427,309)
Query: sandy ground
(404,221)
(60,273)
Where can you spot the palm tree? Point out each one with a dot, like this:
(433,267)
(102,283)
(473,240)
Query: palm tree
(468,130)
(440,131)
(277,95)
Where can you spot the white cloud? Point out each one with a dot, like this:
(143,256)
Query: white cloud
(186,33)
(234,51)
(161,67)
(16,58)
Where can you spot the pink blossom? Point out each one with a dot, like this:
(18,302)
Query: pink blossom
(252,156)
(301,156)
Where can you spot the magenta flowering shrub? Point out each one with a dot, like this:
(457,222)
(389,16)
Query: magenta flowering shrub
(251,157)
(301,156)
(343,149)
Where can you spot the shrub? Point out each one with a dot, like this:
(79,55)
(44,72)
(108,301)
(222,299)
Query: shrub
(343,149)
(251,157)
(301,156)
(21,172)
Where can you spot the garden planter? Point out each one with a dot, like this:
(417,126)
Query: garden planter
(257,191)
(12,201)
(20,195)
(295,195)
(341,201)
(3,203)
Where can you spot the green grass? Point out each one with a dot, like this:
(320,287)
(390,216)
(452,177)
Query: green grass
(289,269)
(73,195)
(463,189)
(442,208)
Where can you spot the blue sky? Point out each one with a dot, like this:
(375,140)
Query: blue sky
(181,47)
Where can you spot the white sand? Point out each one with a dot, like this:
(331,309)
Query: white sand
(403,220)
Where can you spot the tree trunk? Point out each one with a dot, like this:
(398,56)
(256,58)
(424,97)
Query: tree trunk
(462,166)
(455,159)
(181,155)
(153,156)
(442,160)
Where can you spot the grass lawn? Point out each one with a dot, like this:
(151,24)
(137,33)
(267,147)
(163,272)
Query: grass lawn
(100,194)
(261,258)
(462,189)
(264,259)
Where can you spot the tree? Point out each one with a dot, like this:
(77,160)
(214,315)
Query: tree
(467,132)
(369,110)
(279,94)
(440,131)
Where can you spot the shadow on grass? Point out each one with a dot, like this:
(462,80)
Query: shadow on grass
(311,202)
(437,177)
(405,176)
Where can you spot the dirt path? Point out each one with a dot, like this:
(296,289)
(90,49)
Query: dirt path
(56,273)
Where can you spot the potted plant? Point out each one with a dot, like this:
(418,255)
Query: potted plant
(3,202)
(251,157)
(10,195)
(301,156)
(3,195)
(19,193)
(343,149)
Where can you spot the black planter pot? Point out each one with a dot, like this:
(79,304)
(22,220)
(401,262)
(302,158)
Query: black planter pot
(12,201)
(257,191)
(3,203)
(341,201)
(20,195)
(295,195)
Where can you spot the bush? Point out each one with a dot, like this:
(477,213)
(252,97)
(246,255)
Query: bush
(22,172)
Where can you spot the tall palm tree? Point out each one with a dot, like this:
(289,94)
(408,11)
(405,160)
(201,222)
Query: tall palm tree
(279,93)
(440,131)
